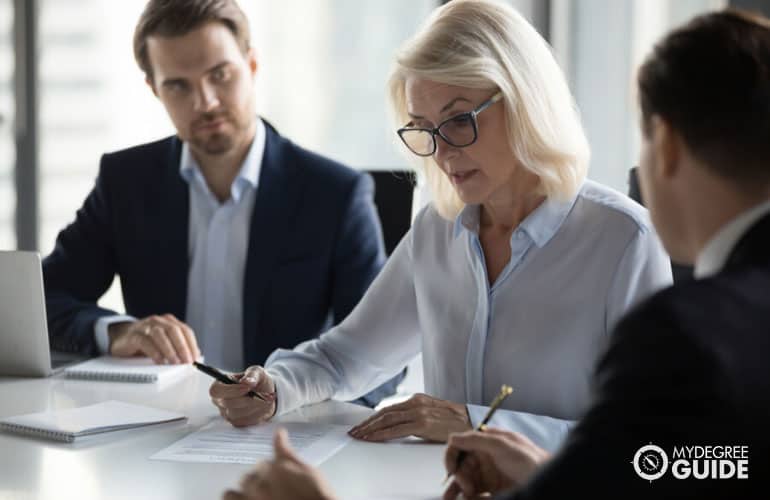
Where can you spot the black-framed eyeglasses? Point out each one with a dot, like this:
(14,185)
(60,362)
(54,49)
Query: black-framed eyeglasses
(459,131)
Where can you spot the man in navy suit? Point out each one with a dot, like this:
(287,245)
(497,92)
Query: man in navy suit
(229,240)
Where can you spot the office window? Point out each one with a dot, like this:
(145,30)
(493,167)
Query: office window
(7,146)
(92,100)
(600,44)
(324,66)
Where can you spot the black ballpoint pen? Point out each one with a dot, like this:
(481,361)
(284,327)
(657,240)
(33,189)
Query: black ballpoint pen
(213,372)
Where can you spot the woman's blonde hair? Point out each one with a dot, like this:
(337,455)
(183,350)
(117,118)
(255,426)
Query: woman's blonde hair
(481,44)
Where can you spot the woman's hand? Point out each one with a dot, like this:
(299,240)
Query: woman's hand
(422,416)
(495,461)
(284,477)
(234,403)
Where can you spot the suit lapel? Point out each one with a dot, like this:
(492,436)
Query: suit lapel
(172,220)
(276,198)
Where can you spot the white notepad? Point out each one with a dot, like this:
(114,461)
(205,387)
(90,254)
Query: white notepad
(141,370)
(68,425)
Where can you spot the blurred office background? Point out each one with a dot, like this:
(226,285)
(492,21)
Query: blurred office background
(70,89)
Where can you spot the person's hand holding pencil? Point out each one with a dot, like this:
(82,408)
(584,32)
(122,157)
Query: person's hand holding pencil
(488,460)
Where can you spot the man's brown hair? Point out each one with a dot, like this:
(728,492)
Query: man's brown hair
(710,80)
(171,18)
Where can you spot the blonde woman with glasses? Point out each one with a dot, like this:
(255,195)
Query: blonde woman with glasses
(514,274)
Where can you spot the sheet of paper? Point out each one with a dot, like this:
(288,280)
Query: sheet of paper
(220,442)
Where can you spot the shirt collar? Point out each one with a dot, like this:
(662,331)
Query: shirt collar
(248,175)
(541,225)
(467,219)
(714,255)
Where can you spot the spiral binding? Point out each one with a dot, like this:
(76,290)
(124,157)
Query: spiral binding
(144,378)
(65,437)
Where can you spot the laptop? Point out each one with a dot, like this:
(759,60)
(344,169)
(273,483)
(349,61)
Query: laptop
(24,346)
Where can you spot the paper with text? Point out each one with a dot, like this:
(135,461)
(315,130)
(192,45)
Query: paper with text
(220,442)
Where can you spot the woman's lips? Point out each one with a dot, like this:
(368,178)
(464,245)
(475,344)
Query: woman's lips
(461,177)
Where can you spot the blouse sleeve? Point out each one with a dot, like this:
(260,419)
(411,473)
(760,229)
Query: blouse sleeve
(379,337)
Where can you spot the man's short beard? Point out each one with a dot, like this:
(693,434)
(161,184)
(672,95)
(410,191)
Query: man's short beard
(216,144)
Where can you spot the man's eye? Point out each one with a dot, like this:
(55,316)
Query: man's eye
(219,75)
(176,87)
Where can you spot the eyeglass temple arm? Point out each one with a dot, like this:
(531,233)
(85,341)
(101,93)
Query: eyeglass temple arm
(488,103)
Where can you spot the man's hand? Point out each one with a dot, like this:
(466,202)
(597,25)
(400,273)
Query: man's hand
(422,416)
(165,339)
(284,477)
(495,461)
(234,403)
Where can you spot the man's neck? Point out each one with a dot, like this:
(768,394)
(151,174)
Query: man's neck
(715,254)
(718,205)
(724,211)
(220,170)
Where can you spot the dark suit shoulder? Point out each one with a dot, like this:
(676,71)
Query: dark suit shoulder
(152,149)
(661,334)
(708,338)
(734,301)
(319,170)
(142,158)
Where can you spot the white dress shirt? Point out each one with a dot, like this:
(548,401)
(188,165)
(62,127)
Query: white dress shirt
(714,255)
(575,268)
(217,250)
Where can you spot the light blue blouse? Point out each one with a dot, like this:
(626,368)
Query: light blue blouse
(575,268)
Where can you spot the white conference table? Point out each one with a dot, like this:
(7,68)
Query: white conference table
(117,465)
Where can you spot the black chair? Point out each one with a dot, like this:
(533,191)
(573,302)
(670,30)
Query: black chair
(681,273)
(393,195)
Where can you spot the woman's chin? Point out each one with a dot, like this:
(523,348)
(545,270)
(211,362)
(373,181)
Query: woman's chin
(469,196)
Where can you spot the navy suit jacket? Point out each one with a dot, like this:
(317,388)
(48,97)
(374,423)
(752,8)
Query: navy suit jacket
(689,367)
(315,246)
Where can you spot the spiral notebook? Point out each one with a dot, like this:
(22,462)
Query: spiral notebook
(140,370)
(71,424)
